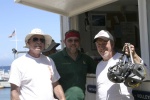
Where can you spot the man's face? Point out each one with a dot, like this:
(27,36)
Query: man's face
(104,48)
(72,44)
(36,43)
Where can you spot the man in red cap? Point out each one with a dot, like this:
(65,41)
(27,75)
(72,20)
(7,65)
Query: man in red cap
(73,66)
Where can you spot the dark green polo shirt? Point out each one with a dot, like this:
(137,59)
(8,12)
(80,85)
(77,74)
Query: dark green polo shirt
(73,73)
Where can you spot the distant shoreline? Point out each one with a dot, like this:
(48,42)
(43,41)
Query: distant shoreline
(6,68)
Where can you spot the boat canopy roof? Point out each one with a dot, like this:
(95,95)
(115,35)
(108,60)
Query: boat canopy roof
(66,7)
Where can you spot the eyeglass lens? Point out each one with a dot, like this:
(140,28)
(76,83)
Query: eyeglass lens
(71,40)
(35,39)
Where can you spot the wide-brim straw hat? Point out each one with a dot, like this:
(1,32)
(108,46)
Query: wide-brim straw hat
(36,31)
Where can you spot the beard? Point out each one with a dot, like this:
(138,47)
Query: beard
(105,54)
(72,50)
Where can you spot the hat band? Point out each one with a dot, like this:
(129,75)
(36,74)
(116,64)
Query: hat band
(72,34)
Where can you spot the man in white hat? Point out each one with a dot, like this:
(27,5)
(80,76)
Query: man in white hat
(33,76)
(107,90)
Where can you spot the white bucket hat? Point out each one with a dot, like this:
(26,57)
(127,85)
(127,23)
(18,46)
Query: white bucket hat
(37,31)
(103,33)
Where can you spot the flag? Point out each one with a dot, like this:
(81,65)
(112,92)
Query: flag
(12,34)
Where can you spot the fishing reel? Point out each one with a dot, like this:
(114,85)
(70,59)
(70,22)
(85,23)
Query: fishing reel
(136,76)
(129,73)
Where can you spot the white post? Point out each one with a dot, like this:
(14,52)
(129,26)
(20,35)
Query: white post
(16,38)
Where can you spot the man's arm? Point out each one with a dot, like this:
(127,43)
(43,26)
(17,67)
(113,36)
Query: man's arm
(138,60)
(58,91)
(136,57)
(14,92)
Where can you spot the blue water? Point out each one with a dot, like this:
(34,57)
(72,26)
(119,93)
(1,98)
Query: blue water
(5,94)
(6,68)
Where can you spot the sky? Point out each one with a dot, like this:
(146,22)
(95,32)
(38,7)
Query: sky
(22,19)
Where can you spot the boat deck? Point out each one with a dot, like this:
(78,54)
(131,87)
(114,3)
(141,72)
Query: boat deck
(4,83)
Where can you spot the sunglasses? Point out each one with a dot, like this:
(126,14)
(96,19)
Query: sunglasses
(35,39)
(71,40)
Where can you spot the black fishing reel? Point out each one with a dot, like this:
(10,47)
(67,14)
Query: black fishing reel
(118,73)
(129,73)
(136,76)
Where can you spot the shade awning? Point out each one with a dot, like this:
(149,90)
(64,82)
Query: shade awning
(66,7)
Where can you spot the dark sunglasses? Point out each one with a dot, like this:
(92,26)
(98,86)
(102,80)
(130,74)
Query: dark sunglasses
(35,39)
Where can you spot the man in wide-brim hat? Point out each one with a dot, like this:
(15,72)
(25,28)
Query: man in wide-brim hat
(33,75)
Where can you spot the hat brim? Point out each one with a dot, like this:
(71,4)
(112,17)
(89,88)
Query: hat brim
(94,40)
(53,45)
(102,37)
